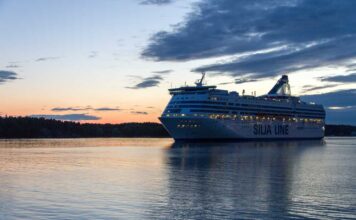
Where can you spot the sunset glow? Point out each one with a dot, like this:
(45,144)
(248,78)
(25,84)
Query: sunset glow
(113,61)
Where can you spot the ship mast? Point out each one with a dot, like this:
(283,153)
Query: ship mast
(199,83)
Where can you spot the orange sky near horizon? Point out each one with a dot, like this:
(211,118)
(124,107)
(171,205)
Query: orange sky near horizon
(114,61)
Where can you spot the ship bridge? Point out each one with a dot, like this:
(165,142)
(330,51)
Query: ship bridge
(200,87)
(190,89)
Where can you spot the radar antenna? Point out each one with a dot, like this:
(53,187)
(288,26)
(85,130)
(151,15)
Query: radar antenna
(199,83)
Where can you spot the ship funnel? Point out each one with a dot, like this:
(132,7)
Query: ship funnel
(281,88)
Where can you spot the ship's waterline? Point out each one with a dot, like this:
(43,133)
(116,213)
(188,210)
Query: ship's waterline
(205,112)
(205,128)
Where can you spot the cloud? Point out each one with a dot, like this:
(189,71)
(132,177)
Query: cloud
(6,76)
(340,105)
(61,109)
(270,37)
(148,82)
(226,83)
(156,2)
(345,116)
(69,117)
(163,72)
(46,59)
(288,60)
(351,78)
(106,109)
(101,109)
(156,77)
(339,98)
(93,54)
(310,88)
(12,66)
(135,76)
(241,81)
(139,113)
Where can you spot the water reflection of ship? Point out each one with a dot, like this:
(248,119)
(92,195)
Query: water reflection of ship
(240,180)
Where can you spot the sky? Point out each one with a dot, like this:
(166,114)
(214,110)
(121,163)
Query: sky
(112,61)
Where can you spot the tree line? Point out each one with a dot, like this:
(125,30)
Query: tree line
(27,127)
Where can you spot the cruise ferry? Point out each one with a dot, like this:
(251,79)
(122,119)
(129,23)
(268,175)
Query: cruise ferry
(205,112)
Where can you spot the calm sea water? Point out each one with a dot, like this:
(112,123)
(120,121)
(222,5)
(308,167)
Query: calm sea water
(159,179)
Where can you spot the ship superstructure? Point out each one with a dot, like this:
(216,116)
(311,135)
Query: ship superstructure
(205,112)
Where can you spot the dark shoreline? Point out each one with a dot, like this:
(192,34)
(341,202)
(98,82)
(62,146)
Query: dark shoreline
(26,127)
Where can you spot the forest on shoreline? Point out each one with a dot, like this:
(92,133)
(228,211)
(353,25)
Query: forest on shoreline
(27,127)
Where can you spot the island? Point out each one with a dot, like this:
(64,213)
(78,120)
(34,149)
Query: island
(28,127)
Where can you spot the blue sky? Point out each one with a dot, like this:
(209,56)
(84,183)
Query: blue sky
(113,60)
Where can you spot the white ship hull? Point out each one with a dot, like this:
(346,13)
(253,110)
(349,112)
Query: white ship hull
(204,112)
(192,128)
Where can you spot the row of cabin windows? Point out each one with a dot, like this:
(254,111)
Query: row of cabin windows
(210,98)
(226,103)
(188,93)
(289,112)
(188,126)
(198,102)
(238,108)
(266,118)
(217,98)
(177,111)
(240,104)
(251,118)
